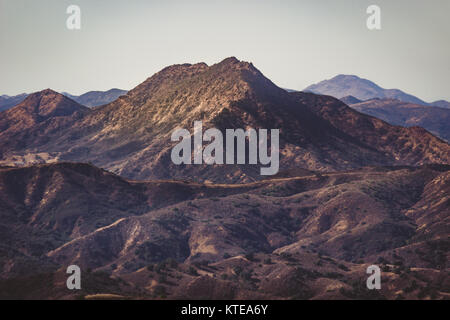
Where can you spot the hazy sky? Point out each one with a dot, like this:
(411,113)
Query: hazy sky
(294,43)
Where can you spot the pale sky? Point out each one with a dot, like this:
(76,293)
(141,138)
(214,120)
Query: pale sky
(294,43)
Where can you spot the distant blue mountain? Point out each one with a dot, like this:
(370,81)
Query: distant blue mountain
(7,102)
(350,85)
(88,99)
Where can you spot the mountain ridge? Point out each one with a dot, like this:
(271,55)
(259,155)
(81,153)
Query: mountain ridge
(297,236)
(396,112)
(96,187)
(131,135)
(7,102)
(363,89)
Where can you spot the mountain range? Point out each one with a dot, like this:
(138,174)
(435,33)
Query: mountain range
(96,187)
(89,99)
(350,85)
(7,102)
(131,135)
(406,114)
(97,98)
(391,105)
(303,237)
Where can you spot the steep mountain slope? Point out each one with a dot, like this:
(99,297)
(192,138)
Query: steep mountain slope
(310,236)
(97,98)
(396,112)
(406,145)
(362,89)
(131,136)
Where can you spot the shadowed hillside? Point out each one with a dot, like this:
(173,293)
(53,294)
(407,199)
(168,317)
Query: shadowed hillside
(310,236)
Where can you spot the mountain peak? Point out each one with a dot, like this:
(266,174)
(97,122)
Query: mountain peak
(350,100)
(346,77)
(230,60)
(46,104)
(7,102)
(132,135)
(350,85)
(166,77)
(97,98)
(228,80)
(234,63)
(42,93)
(179,69)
